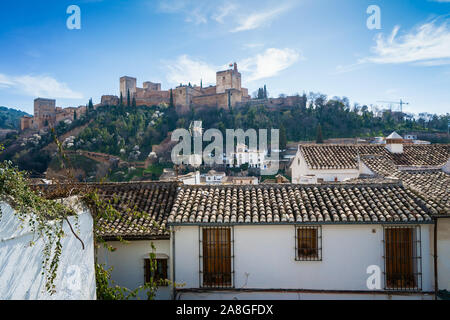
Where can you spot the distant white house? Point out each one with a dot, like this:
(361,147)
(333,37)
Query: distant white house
(21,263)
(213,177)
(255,158)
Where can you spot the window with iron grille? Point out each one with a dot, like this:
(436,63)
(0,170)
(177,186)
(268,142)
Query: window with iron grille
(159,273)
(308,243)
(402,258)
(216,257)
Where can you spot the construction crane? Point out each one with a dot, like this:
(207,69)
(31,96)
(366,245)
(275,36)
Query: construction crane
(401,104)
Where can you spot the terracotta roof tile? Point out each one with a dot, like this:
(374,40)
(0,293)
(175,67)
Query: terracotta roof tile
(434,185)
(346,156)
(155,199)
(372,203)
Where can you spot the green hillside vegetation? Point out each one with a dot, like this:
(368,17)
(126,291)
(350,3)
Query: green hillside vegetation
(334,118)
(127,132)
(10,118)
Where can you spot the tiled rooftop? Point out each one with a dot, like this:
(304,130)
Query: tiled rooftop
(153,198)
(346,156)
(434,185)
(345,203)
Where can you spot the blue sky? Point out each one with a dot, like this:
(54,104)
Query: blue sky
(291,46)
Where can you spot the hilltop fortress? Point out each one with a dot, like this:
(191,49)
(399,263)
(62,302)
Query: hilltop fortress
(227,93)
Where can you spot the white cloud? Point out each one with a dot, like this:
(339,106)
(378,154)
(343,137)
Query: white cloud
(224,11)
(259,19)
(185,69)
(269,63)
(39,86)
(197,17)
(253,45)
(428,44)
(5,81)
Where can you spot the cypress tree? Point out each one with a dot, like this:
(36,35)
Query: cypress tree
(121,99)
(171,105)
(319,137)
(128,98)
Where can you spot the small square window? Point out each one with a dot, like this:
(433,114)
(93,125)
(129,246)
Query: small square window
(308,244)
(159,274)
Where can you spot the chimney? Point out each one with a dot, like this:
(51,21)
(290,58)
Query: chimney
(394,143)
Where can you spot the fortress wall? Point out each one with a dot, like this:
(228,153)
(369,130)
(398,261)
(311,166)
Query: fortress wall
(209,90)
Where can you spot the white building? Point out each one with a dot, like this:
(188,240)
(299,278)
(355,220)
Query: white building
(255,158)
(21,263)
(213,177)
(295,242)
(335,241)
(318,163)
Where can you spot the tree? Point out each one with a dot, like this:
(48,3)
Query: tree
(319,137)
(121,99)
(133,104)
(90,105)
(171,104)
(128,98)
(74,116)
(265,92)
(283,138)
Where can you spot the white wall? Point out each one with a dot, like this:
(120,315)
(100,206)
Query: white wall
(301,171)
(21,264)
(265,258)
(128,263)
(443,251)
(446,167)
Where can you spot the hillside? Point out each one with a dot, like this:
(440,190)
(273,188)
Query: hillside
(127,134)
(10,118)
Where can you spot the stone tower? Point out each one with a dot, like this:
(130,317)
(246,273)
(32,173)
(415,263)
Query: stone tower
(228,79)
(44,112)
(127,84)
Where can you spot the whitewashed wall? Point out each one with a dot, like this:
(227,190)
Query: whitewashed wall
(301,171)
(128,263)
(265,259)
(21,264)
(443,250)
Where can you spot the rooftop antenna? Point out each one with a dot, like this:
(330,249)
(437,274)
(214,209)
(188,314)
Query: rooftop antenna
(401,104)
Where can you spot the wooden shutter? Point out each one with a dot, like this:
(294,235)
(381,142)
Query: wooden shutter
(217,257)
(400,258)
(307,243)
(147,273)
(160,272)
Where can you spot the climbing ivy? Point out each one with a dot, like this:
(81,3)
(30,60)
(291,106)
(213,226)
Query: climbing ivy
(107,289)
(44,217)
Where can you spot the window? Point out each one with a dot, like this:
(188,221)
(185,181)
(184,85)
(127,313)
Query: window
(308,243)
(216,249)
(402,258)
(159,274)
